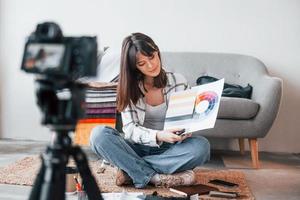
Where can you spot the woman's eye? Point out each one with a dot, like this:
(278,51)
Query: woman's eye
(140,64)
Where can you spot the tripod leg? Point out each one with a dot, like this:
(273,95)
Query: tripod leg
(50,182)
(88,179)
(36,189)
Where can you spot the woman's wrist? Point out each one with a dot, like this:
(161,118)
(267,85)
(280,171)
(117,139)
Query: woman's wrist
(158,137)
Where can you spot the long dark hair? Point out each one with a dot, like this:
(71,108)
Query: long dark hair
(130,76)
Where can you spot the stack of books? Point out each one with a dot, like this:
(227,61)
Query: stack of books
(100,109)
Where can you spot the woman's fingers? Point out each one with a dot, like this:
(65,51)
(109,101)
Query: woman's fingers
(176,138)
(174,130)
(168,136)
(186,136)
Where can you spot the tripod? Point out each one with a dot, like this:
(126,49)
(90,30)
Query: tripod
(51,179)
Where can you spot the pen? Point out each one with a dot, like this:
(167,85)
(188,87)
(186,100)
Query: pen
(78,186)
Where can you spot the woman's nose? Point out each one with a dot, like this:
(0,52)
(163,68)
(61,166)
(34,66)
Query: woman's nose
(149,65)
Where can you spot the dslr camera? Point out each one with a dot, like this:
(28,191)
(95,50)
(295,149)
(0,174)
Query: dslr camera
(49,53)
(59,62)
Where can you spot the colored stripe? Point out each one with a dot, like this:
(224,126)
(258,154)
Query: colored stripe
(183,95)
(96,120)
(183,117)
(108,110)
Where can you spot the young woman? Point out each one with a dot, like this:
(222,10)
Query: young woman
(148,154)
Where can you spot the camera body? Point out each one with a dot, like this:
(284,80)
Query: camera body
(58,62)
(48,52)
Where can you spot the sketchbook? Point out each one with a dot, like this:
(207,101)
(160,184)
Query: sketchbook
(188,190)
(196,108)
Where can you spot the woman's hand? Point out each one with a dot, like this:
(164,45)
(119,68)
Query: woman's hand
(169,136)
(184,136)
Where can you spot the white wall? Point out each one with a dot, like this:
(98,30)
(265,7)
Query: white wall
(266,29)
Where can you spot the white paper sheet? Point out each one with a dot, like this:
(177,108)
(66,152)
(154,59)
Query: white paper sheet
(194,109)
(123,196)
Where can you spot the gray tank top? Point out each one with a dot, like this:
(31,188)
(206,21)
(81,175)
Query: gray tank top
(155,116)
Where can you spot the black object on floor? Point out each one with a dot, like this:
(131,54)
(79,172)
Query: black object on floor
(155,196)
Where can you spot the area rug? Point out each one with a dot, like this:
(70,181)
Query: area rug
(23,172)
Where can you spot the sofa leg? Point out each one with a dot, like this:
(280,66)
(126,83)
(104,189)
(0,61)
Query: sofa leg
(242,146)
(253,144)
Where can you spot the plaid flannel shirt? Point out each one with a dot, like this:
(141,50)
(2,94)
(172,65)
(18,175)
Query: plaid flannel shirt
(133,116)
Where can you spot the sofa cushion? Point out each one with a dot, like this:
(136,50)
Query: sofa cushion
(237,108)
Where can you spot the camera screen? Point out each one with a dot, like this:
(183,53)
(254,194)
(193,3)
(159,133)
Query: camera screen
(43,56)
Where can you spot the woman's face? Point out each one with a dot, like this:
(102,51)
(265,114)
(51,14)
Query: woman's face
(149,66)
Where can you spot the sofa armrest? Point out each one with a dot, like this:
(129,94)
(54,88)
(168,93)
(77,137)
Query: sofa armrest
(267,91)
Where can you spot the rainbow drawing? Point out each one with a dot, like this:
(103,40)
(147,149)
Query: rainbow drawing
(205,104)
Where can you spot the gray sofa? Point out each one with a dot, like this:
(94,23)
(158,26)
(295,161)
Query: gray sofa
(237,118)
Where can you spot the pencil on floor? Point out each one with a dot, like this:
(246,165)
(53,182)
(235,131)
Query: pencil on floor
(102,167)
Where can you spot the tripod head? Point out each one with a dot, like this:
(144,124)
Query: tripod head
(62,103)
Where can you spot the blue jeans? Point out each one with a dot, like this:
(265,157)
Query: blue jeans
(142,162)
